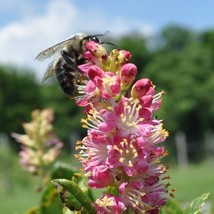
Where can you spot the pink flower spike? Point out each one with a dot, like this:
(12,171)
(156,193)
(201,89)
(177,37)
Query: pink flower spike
(120,152)
(141,87)
(40,147)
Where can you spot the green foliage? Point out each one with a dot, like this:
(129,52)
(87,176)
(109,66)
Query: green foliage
(62,170)
(207,39)
(183,67)
(137,45)
(192,181)
(17,192)
(172,207)
(19,94)
(67,192)
(50,203)
(195,206)
(184,75)
(175,37)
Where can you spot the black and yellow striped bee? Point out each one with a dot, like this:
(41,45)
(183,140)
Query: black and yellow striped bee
(65,66)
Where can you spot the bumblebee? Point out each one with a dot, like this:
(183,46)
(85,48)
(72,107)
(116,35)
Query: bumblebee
(65,66)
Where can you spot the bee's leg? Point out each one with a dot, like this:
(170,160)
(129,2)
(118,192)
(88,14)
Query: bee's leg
(70,62)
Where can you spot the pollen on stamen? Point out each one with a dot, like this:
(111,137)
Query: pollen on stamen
(158,133)
(105,201)
(92,121)
(158,96)
(130,118)
(108,80)
(128,152)
(121,160)
(135,199)
(130,164)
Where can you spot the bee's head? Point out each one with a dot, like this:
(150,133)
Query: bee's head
(95,38)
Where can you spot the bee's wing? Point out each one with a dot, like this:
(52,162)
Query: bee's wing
(49,72)
(54,49)
(51,51)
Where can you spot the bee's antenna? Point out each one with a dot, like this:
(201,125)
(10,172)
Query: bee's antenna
(110,43)
(96,35)
(96,39)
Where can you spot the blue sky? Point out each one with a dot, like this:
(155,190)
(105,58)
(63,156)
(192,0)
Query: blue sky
(29,26)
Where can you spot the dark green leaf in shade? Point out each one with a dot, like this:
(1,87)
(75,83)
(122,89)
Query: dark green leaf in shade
(51,202)
(62,170)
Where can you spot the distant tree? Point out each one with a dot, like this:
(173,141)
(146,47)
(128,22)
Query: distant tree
(175,38)
(187,77)
(207,39)
(19,95)
(137,45)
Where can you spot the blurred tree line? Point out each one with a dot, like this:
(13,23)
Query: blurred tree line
(178,61)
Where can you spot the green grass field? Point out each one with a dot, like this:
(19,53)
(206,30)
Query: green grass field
(193,182)
(17,191)
(17,188)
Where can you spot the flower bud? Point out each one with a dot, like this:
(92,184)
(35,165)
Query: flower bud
(101,177)
(141,87)
(124,56)
(96,49)
(95,72)
(90,57)
(128,73)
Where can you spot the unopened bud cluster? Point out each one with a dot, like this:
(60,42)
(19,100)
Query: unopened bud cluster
(39,145)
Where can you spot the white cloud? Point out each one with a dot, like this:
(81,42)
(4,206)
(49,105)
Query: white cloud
(21,41)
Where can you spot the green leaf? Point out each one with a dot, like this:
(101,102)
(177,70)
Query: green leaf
(82,182)
(73,197)
(62,170)
(113,190)
(195,206)
(51,202)
(171,207)
(67,211)
(33,210)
